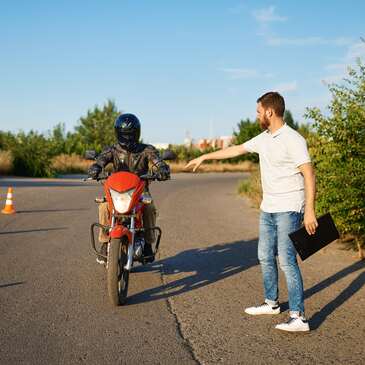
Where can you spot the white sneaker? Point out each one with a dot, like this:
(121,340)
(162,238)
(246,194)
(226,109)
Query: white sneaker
(264,308)
(296,323)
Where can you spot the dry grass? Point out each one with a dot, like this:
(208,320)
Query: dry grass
(215,167)
(70,164)
(74,164)
(6,162)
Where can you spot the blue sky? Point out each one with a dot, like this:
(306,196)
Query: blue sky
(195,66)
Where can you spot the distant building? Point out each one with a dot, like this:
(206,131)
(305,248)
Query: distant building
(188,141)
(217,143)
(161,146)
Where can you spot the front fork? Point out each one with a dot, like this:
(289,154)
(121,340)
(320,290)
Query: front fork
(130,252)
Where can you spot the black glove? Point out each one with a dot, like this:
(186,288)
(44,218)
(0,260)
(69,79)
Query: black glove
(163,172)
(94,171)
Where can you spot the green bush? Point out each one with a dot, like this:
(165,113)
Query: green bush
(32,155)
(338,152)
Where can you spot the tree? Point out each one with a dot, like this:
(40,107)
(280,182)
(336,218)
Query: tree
(338,152)
(247,129)
(289,120)
(7,139)
(57,139)
(95,130)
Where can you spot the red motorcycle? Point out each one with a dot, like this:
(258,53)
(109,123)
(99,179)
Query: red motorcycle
(126,197)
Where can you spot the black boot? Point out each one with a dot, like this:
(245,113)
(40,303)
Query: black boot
(104,251)
(148,253)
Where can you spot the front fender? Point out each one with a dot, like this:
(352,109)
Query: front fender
(119,231)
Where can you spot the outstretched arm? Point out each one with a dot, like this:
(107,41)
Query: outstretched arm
(228,152)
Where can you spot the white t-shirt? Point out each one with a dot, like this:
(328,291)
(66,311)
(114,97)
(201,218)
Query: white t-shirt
(280,155)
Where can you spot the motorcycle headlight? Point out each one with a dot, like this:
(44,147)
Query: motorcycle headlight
(121,201)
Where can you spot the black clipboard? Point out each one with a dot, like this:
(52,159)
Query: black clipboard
(306,245)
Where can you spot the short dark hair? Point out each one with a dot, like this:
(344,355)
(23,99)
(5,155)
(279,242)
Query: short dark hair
(273,100)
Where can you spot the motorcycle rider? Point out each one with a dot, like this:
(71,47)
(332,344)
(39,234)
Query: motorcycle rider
(128,154)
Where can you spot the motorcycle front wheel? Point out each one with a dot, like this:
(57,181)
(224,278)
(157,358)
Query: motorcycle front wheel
(117,276)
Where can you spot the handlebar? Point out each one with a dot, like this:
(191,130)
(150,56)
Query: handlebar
(100,177)
(149,177)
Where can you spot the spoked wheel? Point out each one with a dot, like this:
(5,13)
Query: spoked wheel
(117,276)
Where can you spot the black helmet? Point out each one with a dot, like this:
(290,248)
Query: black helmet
(127,130)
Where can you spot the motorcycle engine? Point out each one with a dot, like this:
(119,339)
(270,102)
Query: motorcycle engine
(138,247)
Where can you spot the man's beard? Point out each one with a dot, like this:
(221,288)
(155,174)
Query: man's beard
(264,123)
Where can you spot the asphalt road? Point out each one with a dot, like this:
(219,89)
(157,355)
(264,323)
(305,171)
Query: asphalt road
(186,308)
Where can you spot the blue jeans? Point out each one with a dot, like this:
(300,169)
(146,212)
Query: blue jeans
(274,241)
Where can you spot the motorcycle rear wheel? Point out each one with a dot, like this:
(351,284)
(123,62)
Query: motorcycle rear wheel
(117,276)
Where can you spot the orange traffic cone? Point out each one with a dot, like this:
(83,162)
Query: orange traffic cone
(9,208)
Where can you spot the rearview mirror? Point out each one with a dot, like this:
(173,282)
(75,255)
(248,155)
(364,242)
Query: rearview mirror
(168,155)
(90,155)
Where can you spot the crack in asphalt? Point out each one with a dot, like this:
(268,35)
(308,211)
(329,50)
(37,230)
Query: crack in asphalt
(186,342)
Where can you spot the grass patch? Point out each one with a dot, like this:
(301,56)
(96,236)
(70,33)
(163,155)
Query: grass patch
(244,166)
(252,188)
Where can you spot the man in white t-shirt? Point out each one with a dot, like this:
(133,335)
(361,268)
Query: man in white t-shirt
(288,185)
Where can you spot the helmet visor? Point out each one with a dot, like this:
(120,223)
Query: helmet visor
(126,138)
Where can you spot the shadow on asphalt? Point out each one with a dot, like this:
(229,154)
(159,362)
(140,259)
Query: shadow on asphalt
(209,265)
(203,266)
(27,182)
(35,230)
(12,284)
(319,317)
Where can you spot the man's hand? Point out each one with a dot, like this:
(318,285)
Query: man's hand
(194,163)
(94,171)
(163,172)
(310,221)
(229,152)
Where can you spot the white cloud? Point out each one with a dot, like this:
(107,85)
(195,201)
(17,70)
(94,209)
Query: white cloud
(331,79)
(245,73)
(338,71)
(299,104)
(355,51)
(306,41)
(286,87)
(336,67)
(267,15)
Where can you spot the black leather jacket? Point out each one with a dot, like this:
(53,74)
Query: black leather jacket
(136,161)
